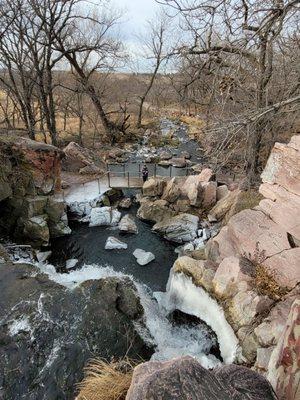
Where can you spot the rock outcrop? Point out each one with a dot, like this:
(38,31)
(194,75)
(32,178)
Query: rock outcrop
(284,368)
(47,341)
(78,159)
(253,270)
(30,180)
(185,378)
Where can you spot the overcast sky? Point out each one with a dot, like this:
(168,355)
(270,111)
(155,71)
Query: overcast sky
(137,12)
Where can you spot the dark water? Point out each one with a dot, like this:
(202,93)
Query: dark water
(87,245)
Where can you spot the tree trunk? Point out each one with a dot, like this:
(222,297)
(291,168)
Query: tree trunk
(139,121)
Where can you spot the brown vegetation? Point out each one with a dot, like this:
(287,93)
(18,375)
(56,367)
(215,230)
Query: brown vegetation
(229,69)
(106,380)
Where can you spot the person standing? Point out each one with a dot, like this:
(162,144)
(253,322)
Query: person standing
(145,173)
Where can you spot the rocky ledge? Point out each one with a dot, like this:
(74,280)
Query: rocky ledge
(48,332)
(185,378)
(29,181)
(252,268)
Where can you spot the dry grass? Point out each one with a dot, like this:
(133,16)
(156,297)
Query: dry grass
(106,380)
(266,284)
(196,126)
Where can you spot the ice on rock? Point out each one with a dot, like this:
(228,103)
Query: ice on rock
(113,243)
(143,257)
(43,256)
(71,263)
(104,216)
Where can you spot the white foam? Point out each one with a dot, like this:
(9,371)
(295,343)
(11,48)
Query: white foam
(75,278)
(182,294)
(19,325)
(170,341)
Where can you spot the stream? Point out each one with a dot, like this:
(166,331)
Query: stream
(57,321)
(201,330)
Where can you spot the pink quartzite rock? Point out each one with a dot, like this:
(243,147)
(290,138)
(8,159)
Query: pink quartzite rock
(231,272)
(283,166)
(269,331)
(282,207)
(252,230)
(285,267)
(284,366)
(185,379)
(220,247)
(206,175)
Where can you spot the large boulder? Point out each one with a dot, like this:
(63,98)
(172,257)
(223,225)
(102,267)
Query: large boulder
(178,229)
(283,167)
(172,191)
(185,379)
(104,216)
(35,229)
(154,187)
(233,275)
(154,211)
(47,341)
(82,160)
(285,267)
(224,205)
(251,233)
(272,327)
(246,306)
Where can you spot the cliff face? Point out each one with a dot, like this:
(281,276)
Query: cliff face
(29,181)
(253,270)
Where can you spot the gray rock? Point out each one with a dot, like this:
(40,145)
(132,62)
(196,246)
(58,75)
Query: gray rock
(178,229)
(185,379)
(125,203)
(127,225)
(36,229)
(71,263)
(113,243)
(47,341)
(179,162)
(104,216)
(165,155)
(143,257)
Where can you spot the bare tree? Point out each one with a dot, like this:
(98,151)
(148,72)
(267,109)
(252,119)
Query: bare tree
(238,44)
(155,49)
(85,38)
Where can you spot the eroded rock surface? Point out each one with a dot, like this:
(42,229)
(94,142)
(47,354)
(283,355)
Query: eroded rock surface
(48,332)
(30,209)
(185,379)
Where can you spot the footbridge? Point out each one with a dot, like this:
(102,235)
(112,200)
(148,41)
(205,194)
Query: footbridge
(120,176)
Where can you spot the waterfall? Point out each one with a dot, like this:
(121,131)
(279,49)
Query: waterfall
(183,295)
(169,341)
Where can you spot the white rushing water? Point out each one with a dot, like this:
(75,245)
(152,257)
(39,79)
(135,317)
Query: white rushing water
(170,341)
